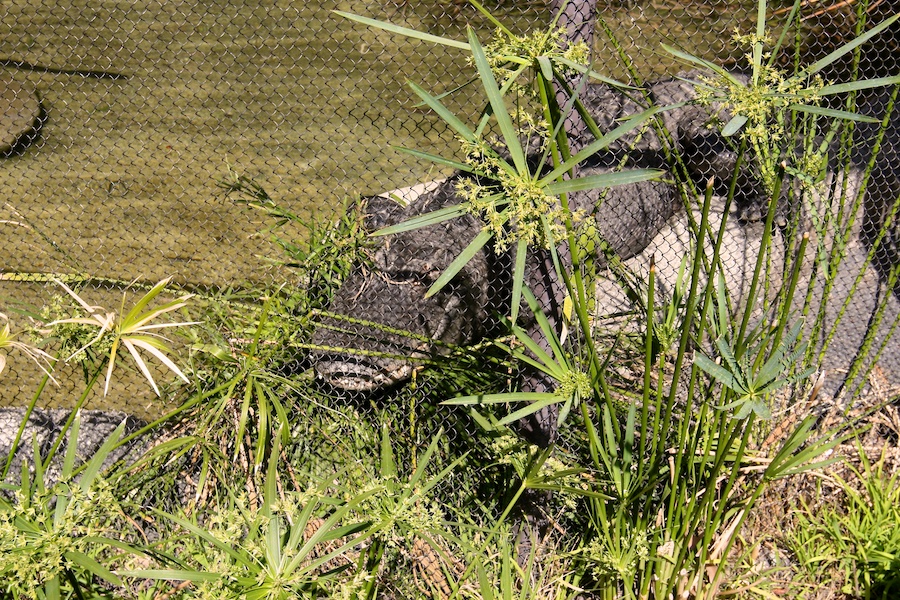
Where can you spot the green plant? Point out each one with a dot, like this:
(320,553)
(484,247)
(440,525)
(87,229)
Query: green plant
(795,135)
(402,513)
(857,539)
(769,103)
(98,350)
(331,247)
(542,574)
(8,342)
(286,547)
(520,202)
(132,330)
(751,385)
(654,476)
(242,387)
(669,488)
(58,541)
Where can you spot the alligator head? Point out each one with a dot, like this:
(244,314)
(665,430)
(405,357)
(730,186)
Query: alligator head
(381,321)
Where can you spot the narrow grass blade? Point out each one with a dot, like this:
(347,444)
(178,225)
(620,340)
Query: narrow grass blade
(71,447)
(734,125)
(96,463)
(696,60)
(546,67)
(388,465)
(507,129)
(544,362)
(603,180)
(459,262)
(797,454)
(559,356)
(603,142)
(832,113)
(145,371)
(201,532)
(487,14)
(272,542)
(432,218)
(444,113)
(405,31)
(435,158)
(172,575)
(585,70)
(864,84)
(499,398)
(530,409)
(518,279)
(86,562)
(141,304)
(156,348)
(850,46)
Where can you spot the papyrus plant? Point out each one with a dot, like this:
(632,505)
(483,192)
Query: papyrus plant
(57,541)
(133,330)
(669,461)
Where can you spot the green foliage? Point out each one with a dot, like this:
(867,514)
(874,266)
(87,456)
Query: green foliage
(55,539)
(751,385)
(132,331)
(284,548)
(769,102)
(292,494)
(241,385)
(668,492)
(520,203)
(321,261)
(857,540)
(9,343)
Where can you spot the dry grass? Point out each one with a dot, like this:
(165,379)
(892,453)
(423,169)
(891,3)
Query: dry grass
(876,414)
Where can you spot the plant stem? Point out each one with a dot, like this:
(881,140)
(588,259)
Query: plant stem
(28,410)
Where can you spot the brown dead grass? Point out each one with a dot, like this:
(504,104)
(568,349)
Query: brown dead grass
(876,415)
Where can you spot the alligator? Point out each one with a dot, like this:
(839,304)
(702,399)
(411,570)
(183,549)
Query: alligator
(390,290)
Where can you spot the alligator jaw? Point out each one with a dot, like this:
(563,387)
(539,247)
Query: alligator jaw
(359,376)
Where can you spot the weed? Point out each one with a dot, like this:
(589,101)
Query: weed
(858,539)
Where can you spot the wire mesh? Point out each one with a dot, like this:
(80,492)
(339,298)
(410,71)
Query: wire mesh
(124,117)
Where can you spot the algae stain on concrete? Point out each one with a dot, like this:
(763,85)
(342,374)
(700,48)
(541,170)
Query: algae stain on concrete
(287,92)
(124,175)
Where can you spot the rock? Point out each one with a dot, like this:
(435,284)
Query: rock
(20,115)
(44,426)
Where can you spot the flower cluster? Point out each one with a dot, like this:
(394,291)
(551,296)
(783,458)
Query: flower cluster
(397,511)
(506,50)
(575,383)
(58,322)
(514,208)
(619,560)
(764,102)
(37,539)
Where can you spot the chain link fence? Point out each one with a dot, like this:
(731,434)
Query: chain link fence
(121,120)
(144,107)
